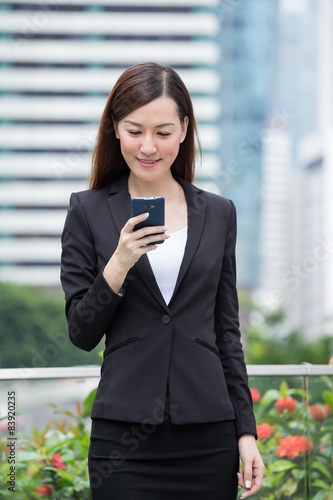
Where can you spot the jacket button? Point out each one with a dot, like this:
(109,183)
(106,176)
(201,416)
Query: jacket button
(166,319)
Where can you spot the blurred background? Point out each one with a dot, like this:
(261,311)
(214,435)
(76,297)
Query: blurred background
(260,73)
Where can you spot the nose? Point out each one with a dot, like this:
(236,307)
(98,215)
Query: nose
(148,146)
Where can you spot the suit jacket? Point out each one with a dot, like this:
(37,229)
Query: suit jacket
(190,347)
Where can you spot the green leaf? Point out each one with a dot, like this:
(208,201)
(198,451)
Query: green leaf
(29,456)
(320,495)
(60,444)
(322,468)
(298,473)
(290,487)
(63,411)
(60,473)
(282,465)
(321,484)
(276,481)
(269,397)
(328,398)
(300,392)
(88,402)
(284,389)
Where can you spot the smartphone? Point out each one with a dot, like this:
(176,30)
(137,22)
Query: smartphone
(154,206)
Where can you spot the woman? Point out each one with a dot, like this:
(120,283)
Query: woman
(173,411)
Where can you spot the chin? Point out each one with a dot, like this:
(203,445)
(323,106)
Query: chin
(149,175)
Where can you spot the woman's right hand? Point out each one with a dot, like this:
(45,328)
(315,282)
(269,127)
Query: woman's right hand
(131,246)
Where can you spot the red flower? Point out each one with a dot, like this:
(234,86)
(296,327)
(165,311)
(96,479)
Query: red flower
(256,396)
(45,489)
(293,446)
(264,431)
(285,404)
(57,462)
(320,413)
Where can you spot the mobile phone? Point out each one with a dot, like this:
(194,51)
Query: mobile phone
(154,206)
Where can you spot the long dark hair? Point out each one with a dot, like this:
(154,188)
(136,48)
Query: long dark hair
(137,86)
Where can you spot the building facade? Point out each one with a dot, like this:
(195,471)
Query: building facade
(247,37)
(59,61)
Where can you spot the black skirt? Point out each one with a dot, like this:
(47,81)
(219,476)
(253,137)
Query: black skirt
(130,461)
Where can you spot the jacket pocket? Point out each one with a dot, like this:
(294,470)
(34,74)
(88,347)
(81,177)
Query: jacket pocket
(204,344)
(122,344)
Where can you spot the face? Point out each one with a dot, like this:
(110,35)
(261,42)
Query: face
(150,138)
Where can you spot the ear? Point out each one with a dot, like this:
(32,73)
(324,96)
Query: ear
(184,129)
(115,127)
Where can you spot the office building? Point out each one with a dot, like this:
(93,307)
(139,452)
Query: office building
(59,61)
(312,272)
(247,38)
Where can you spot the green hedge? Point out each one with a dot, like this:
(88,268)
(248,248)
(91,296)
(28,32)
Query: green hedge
(33,330)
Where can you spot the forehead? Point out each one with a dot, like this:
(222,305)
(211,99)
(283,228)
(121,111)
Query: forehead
(160,110)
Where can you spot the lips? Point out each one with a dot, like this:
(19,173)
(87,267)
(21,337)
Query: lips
(148,163)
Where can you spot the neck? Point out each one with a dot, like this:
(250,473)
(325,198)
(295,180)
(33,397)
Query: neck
(161,187)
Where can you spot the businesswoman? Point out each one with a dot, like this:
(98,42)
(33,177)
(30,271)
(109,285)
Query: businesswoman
(173,411)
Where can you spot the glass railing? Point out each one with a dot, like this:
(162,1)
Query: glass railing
(45,430)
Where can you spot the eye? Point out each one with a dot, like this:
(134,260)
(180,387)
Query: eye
(134,132)
(164,134)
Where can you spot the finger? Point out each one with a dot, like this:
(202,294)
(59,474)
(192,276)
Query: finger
(240,476)
(254,488)
(152,238)
(140,233)
(148,230)
(248,474)
(149,248)
(257,479)
(245,479)
(133,221)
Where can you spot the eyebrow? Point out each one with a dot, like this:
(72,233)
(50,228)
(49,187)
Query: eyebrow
(157,126)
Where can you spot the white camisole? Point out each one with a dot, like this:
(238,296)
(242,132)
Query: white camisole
(166,260)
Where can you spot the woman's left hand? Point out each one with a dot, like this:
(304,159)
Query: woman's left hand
(251,477)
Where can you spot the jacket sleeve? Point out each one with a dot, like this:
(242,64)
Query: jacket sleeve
(90,302)
(228,336)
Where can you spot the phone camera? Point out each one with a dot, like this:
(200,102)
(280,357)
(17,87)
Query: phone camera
(149,206)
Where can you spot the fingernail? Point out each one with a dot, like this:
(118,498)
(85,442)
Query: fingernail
(248,484)
(167,235)
(146,214)
(165,228)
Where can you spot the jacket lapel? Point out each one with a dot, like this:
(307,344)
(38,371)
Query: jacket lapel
(119,202)
(120,205)
(196,214)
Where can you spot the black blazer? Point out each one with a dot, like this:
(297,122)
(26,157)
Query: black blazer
(190,347)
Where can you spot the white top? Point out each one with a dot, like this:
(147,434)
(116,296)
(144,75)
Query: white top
(165,262)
